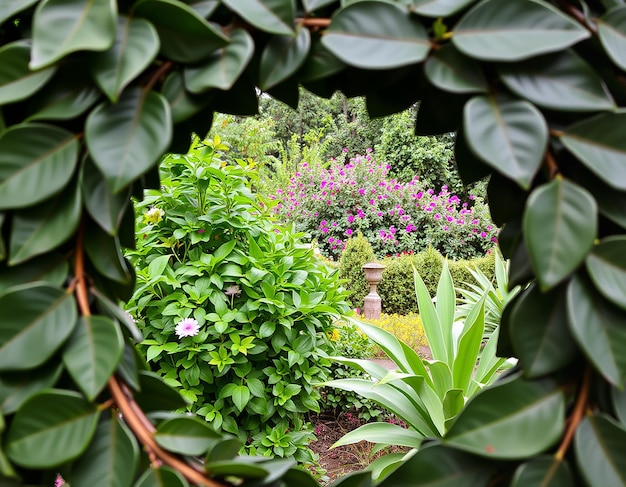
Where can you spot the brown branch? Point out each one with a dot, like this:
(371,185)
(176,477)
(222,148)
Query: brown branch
(310,22)
(121,395)
(553,168)
(578,15)
(158,73)
(576,416)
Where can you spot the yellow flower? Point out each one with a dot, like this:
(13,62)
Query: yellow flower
(153,215)
(334,335)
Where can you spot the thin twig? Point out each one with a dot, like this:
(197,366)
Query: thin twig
(163,69)
(576,416)
(311,22)
(578,15)
(553,167)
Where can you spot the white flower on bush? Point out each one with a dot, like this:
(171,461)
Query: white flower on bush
(153,215)
(187,328)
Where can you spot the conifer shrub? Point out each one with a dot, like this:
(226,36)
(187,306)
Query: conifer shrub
(358,252)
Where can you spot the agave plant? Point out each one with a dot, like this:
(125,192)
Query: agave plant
(496,296)
(426,394)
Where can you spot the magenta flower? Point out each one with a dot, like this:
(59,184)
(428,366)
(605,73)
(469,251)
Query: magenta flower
(350,218)
(349,232)
(187,328)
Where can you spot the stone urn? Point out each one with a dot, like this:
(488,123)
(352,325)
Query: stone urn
(372,302)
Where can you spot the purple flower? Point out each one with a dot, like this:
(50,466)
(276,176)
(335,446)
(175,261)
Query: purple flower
(350,218)
(361,191)
(187,328)
(349,232)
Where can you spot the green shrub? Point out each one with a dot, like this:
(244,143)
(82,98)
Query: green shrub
(461,269)
(358,251)
(257,303)
(406,328)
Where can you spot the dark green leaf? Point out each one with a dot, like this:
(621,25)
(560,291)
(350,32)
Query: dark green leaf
(223,67)
(135,47)
(612,34)
(36,162)
(126,139)
(543,472)
(619,403)
(8,8)
(439,8)
(42,228)
(607,267)
(185,36)
(184,104)
(598,142)
(111,459)
(440,466)
(117,313)
(599,443)
(155,395)
(64,26)
(92,353)
(560,81)
(511,30)
(3,249)
(510,135)
(186,435)
(226,468)
(17,387)
(355,479)
(105,254)
(376,35)
(161,477)
(51,428)
(274,16)
(450,70)
(319,64)
(34,317)
(311,5)
(223,449)
(539,332)
(598,328)
(17,81)
(51,268)
(105,207)
(514,418)
(559,226)
(282,57)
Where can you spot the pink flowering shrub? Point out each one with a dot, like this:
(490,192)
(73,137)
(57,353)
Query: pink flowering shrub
(334,202)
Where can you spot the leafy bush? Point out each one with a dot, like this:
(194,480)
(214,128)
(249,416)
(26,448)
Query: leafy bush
(358,252)
(406,328)
(335,201)
(235,310)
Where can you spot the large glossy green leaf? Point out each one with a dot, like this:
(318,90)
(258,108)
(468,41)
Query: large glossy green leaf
(135,47)
(155,395)
(439,466)
(105,253)
(319,64)
(599,444)
(282,57)
(514,418)
(618,398)
(185,105)
(511,30)
(560,81)
(61,27)
(439,340)
(51,428)
(42,228)
(34,317)
(186,435)
(606,265)
(450,70)
(598,328)
(93,352)
(224,66)
(17,81)
(8,8)
(125,140)
(468,349)
(559,226)
(543,472)
(439,8)
(161,477)
(51,268)
(111,459)
(539,332)
(36,162)
(243,469)
(376,35)
(599,144)
(104,206)
(510,135)
(185,36)
(17,387)
(274,16)
(385,433)
(612,34)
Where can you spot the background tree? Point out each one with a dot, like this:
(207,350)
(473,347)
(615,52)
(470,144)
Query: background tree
(92,94)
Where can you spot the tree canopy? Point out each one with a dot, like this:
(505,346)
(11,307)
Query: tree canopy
(94,92)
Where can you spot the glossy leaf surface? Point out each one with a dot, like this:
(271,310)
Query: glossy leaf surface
(35,317)
(511,419)
(560,226)
(450,70)
(126,139)
(376,35)
(282,57)
(187,435)
(509,135)
(612,33)
(64,26)
(512,30)
(161,477)
(36,162)
(543,472)
(17,81)
(439,8)
(51,428)
(606,265)
(9,8)
(274,16)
